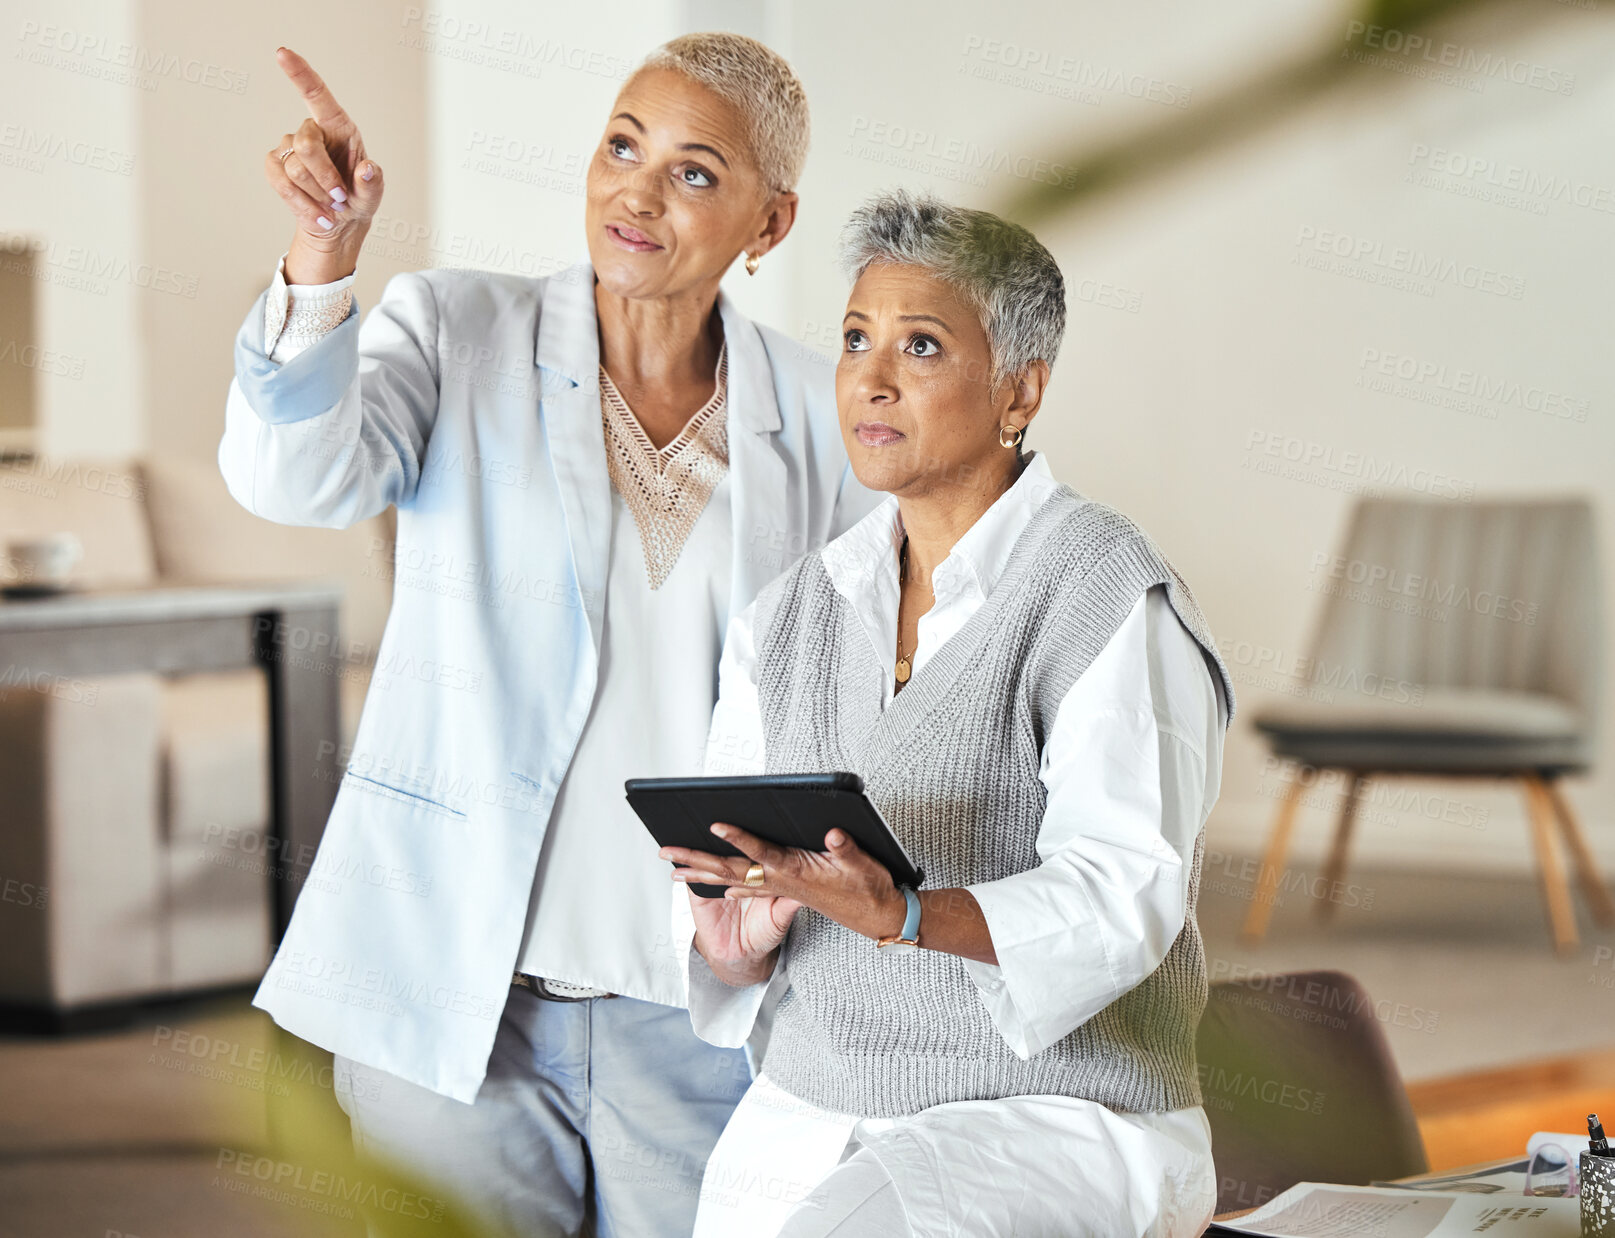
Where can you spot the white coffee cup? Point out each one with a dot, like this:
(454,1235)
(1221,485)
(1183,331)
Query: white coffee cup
(44,562)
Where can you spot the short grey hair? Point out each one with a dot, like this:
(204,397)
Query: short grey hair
(757,82)
(999,267)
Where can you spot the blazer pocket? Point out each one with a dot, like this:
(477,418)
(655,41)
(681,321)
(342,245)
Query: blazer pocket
(412,798)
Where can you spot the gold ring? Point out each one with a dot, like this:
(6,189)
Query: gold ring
(754,875)
(283,154)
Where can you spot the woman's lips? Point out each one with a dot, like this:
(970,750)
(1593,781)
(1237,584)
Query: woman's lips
(631,239)
(876,434)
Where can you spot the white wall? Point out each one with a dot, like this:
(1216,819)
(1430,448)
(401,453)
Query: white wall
(1193,331)
(69,171)
(132,140)
(1192,327)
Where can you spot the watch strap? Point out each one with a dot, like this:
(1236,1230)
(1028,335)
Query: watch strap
(911,922)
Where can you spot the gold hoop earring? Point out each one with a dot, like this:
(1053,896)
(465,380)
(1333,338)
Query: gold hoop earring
(752,263)
(1005,433)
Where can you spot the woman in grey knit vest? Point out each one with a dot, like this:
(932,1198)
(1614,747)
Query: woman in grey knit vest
(1036,706)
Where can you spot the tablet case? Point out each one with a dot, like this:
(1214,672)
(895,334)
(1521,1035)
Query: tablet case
(790,810)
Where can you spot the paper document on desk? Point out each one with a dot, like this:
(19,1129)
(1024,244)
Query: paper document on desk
(1318,1210)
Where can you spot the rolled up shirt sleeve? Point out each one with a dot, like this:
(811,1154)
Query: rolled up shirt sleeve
(722,1014)
(1132,766)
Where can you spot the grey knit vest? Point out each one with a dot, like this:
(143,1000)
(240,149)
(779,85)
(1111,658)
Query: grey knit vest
(953,765)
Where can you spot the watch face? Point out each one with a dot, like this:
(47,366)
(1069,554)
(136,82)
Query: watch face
(897,945)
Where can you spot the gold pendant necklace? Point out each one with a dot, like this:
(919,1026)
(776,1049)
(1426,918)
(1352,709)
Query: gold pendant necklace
(904,667)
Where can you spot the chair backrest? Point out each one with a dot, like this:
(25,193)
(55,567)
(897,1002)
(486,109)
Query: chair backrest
(1494,595)
(1299,1086)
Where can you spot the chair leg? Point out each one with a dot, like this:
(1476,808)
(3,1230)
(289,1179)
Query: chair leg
(1334,870)
(1267,879)
(1592,885)
(1561,917)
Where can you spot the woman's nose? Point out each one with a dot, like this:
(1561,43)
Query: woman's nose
(644,193)
(875,385)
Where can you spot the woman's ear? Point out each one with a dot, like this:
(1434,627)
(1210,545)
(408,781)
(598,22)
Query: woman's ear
(777,223)
(1026,395)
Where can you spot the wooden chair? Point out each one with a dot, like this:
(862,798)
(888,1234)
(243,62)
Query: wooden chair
(1458,641)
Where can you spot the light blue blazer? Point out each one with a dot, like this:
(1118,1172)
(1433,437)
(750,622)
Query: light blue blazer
(470,401)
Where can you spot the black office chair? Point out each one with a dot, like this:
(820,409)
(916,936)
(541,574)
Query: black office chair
(1299,1086)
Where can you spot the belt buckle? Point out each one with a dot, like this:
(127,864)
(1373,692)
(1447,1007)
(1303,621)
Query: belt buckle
(540,988)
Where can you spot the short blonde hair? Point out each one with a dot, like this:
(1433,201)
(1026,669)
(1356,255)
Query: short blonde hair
(757,82)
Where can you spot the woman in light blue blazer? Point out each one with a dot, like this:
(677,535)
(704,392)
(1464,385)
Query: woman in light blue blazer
(593,473)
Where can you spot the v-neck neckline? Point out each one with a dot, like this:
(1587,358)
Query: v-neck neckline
(874,729)
(691,428)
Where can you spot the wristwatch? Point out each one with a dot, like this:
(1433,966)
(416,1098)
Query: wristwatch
(909,937)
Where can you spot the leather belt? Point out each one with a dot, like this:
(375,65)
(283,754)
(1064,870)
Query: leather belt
(557,990)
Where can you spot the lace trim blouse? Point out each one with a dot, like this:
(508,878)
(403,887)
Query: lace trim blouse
(666,488)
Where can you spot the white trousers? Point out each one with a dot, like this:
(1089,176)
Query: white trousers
(1025,1166)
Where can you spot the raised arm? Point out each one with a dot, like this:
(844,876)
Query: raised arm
(326,425)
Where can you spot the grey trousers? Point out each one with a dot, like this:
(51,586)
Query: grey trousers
(597,1117)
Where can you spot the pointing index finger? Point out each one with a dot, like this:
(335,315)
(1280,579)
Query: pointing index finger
(317,97)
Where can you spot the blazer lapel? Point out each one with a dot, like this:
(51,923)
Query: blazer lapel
(767,527)
(567,353)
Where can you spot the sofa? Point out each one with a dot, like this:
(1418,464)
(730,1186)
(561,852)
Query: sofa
(134,853)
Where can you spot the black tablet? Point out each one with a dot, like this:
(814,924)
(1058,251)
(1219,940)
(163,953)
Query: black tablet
(791,810)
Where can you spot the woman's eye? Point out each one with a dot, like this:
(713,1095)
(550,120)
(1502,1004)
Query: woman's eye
(621,147)
(694,177)
(924,346)
(855,340)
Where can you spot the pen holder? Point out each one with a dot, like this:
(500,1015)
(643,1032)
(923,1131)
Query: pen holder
(1597,1196)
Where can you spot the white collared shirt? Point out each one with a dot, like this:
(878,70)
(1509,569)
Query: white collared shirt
(1132,767)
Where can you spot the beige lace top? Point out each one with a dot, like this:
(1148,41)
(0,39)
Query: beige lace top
(666,489)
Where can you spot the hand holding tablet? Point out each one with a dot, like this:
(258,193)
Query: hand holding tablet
(788,810)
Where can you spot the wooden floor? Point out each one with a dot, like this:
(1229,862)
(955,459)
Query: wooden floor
(1485,1115)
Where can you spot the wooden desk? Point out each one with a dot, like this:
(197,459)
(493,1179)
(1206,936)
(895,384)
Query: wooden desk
(287,630)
